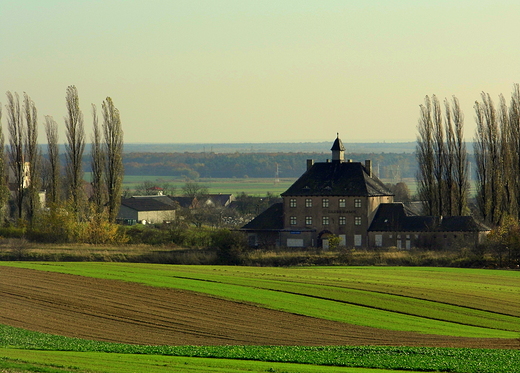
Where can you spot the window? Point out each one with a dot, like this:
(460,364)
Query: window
(342,202)
(293,220)
(357,203)
(308,202)
(292,202)
(342,220)
(357,220)
(357,240)
(325,202)
(325,220)
(379,240)
(308,220)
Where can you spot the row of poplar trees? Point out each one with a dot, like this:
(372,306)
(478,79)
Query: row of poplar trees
(443,175)
(30,172)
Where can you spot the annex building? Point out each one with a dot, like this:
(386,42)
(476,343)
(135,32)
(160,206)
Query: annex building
(344,198)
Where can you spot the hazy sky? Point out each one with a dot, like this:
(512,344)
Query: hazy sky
(259,70)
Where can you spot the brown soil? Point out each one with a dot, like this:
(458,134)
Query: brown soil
(117,311)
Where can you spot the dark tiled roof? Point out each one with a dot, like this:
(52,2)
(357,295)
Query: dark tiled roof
(461,224)
(394,217)
(149,203)
(185,202)
(337,179)
(270,219)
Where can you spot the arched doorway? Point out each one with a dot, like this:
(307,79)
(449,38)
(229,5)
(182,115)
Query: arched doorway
(323,239)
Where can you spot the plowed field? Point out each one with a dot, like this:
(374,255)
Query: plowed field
(116,311)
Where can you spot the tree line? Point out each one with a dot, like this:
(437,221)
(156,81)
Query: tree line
(262,165)
(442,157)
(25,173)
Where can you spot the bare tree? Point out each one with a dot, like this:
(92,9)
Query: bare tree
(15,152)
(53,174)
(113,156)
(508,200)
(487,157)
(97,164)
(33,158)
(514,138)
(441,153)
(439,162)
(425,158)
(74,151)
(449,163)
(4,190)
(460,160)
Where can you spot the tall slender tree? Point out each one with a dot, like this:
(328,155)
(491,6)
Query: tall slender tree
(54,174)
(74,151)
(15,152)
(97,165)
(514,138)
(4,189)
(425,158)
(33,159)
(460,161)
(487,157)
(113,151)
(439,152)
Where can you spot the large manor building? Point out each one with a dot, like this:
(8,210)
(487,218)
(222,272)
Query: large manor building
(344,198)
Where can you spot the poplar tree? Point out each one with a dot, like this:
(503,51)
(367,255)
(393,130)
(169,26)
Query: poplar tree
(53,175)
(75,147)
(460,161)
(97,165)
(15,151)
(33,159)
(4,189)
(425,155)
(113,152)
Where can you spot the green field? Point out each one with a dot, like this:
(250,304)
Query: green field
(251,186)
(443,301)
(32,351)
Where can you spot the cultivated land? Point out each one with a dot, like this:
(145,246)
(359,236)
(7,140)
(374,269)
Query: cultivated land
(199,305)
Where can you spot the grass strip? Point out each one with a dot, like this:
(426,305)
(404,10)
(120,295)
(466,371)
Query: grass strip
(459,360)
(78,362)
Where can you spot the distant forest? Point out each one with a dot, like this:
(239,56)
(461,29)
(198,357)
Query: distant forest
(255,165)
(391,161)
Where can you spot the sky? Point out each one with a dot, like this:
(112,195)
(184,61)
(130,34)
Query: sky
(247,71)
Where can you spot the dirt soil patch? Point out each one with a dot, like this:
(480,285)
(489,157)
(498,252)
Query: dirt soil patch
(117,311)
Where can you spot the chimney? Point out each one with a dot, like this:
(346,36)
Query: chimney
(368,167)
(310,163)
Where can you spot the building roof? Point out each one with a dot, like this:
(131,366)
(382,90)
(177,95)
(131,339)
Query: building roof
(394,217)
(270,219)
(338,144)
(221,200)
(337,179)
(185,202)
(149,203)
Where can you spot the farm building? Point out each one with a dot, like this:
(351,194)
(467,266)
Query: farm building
(344,198)
(147,209)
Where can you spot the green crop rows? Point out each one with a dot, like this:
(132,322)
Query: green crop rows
(446,301)
(468,303)
(16,341)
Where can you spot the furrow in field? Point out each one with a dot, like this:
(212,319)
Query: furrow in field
(116,311)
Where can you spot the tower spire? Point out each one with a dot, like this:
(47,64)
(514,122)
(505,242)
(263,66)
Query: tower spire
(338,150)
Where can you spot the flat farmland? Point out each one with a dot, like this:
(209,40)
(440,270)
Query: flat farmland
(251,186)
(166,305)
